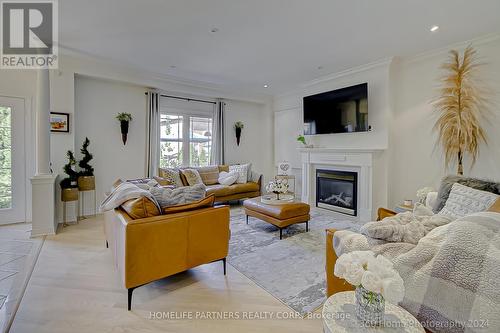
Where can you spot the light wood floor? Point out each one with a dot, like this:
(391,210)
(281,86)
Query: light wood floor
(74,288)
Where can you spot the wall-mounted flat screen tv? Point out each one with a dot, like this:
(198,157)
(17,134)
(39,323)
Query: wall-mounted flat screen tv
(338,111)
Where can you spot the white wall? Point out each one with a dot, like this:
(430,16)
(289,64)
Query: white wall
(289,123)
(256,145)
(400,111)
(97,102)
(416,159)
(22,83)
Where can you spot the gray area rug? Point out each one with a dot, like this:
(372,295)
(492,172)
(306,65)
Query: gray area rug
(291,269)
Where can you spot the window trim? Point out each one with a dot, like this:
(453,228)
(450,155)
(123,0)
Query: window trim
(186,125)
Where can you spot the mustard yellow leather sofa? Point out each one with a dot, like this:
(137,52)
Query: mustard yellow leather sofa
(148,249)
(225,193)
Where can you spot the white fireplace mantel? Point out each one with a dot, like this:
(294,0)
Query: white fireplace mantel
(348,159)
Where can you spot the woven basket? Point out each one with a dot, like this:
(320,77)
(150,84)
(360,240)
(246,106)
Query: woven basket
(69,194)
(86,183)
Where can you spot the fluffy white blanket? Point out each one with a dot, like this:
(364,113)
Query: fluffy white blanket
(451,274)
(406,227)
(122,193)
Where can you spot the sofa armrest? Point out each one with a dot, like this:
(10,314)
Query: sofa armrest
(382,213)
(333,283)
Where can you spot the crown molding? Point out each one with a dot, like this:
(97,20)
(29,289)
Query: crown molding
(445,49)
(336,75)
(212,89)
(349,71)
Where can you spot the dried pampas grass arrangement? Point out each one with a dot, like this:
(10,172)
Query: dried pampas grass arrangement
(462,105)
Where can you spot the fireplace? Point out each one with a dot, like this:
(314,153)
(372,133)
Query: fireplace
(337,191)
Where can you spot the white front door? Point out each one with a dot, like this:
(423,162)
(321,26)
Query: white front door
(12,161)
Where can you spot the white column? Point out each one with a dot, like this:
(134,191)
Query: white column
(44,182)
(43,122)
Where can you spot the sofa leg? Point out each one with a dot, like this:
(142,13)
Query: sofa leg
(281,233)
(247,219)
(107,245)
(224,264)
(307,226)
(130,291)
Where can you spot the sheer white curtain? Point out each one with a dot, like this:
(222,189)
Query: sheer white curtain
(153,133)
(217,155)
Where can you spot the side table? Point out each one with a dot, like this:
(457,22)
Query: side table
(339,316)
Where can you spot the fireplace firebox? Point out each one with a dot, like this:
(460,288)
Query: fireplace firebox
(337,191)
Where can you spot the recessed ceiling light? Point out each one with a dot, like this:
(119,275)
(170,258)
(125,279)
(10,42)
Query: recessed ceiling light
(266,86)
(214,30)
(320,67)
(173,66)
(434,28)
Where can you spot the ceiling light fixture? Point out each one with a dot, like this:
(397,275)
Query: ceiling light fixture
(320,67)
(434,28)
(214,30)
(266,86)
(173,66)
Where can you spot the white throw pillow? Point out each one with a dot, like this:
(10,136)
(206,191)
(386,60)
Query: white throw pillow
(465,200)
(228,178)
(242,170)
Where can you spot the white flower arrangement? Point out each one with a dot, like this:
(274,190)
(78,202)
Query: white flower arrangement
(375,274)
(422,193)
(277,186)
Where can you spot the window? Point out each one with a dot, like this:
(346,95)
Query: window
(185,133)
(5,158)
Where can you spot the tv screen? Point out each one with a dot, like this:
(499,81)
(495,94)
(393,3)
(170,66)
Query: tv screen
(338,111)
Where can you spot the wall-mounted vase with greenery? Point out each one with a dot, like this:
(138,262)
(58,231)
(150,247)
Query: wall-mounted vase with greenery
(238,126)
(69,185)
(124,119)
(461,105)
(86,179)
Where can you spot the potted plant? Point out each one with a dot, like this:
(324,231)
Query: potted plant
(86,179)
(462,106)
(69,185)
(124,119)
(238,126)
(376,281)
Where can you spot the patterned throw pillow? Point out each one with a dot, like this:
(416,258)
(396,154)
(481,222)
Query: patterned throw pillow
(242,170)
(465,200)
(209,174)
(170,177)
(192,176)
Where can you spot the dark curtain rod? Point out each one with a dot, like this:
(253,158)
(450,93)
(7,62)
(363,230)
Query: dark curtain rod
(186,99)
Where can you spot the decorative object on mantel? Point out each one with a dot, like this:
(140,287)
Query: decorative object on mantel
(238,126)
(375,280)
(302,139)
(59,122)
(124,119)
(69,185)
(462,105)
(277,186)
(86,179)
(284,168)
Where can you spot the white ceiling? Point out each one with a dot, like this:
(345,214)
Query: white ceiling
(277,42)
